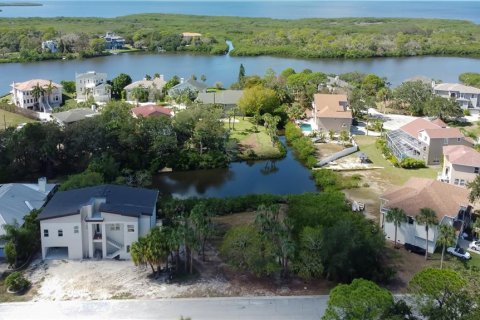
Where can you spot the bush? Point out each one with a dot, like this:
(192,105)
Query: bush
(301,145)
(466,112)
(329,180)
(410,163)
(17,282)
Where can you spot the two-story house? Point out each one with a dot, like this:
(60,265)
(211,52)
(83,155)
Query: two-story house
(96,222)
(468,97)
(449,202)
(92,84)
(113,42)
(50,46)
(461,164)
(154,87)
(37,94)
(423,139)
(330,112)
(190,84)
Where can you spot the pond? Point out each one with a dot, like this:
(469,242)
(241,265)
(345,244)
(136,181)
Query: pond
(282,176)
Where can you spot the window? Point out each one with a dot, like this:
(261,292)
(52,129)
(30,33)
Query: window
(445,141)
(128,249)
(458,139)
(115,226)
(462,182)
(475,170)
(130,228)
(75,229)
(45,233)
(456,182)
(60,232)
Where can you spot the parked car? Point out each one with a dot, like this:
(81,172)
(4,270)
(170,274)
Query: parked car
(459,252)
(415,249)
(474,245)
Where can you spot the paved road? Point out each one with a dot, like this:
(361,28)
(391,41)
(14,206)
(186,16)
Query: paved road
(279,308)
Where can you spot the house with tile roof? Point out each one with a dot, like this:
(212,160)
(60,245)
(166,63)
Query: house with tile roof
(96,222)
(423,139)
(468,97)
(154,87)
(461,164)
(18,199)
(330,112)
(147,111)
(449,202)
(23,95)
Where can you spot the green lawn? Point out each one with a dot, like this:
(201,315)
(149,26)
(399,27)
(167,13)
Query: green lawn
(248,140)
(9,119)
(394,175)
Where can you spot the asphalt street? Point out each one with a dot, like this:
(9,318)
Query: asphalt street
(252,308)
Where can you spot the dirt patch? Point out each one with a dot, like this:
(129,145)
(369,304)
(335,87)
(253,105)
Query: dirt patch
(324,150)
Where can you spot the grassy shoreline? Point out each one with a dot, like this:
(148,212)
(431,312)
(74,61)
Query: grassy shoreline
(349,38)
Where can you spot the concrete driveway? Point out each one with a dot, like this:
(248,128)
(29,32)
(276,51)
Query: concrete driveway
(252,308)
(392,121)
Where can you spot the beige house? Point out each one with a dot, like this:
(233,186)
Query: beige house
(331,112)
(23,95)
(467,97)
(154,87)
(461,164)
(449,202)
(423,139)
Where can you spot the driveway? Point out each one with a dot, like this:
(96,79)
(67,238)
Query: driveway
(261,308)
(392,121)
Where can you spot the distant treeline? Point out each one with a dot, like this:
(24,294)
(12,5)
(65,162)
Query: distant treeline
(303,38)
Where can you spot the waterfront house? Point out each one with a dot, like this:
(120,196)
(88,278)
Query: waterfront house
(226,98)
(330,112)
(154,87)
(190,84)
(26,96)
(74,115)
(92,84)
(461,164)
(113,42)
(187,36)
(424,140)
(18,199)
(449,202)
(147,111)
(50,46)
(467,97)
(96,222)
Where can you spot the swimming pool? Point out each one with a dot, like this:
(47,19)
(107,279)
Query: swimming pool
(306,127)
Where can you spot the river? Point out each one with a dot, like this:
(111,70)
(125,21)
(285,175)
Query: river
(284,176)
(465,10)
(225,68)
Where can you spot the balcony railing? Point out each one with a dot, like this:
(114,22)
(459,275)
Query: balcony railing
(97,236)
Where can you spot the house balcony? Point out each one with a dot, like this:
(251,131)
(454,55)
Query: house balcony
(443,177)
(97,237)
(95,217)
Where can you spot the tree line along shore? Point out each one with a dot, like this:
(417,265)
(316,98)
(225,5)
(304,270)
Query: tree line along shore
(21,38)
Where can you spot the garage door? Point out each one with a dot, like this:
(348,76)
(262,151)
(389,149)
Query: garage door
(57,253)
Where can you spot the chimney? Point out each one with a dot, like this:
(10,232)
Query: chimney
(182,80)
(42,184)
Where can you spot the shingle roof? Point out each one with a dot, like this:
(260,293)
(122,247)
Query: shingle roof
(462,155)
(456,87)
(417,125)
(30,84)
(439,123)
(200,86)
(159,84)
(220,97)
(123,200)
(18,199)
(151,110)
(74,115)
(328,106)
(444,133)
(445,199)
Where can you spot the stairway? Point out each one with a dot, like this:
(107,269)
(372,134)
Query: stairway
(114,254)
(114,243)
(45,105)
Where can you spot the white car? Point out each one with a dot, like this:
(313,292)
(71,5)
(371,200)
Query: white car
(459,252)
(474,245)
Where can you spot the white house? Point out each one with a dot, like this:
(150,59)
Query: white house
(461,165)
(92,84)
(96,222)
(23,95)
(449,202)
(18,199)
(466,96)
(154,87)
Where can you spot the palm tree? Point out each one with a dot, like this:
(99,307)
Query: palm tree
(396,216)
(446,237)
(37,92)
(49,90)
(138,251)
(476,226)
(474,187)
(428,218)
(383,95)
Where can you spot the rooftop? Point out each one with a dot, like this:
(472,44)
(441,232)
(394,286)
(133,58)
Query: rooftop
(30,84)
(151,110)
(159,83)
(220,97)
(200,86)
(122,200)
(462,155)
(73,115)
(191,34)
(434,129)
(456,87)
(329,106)
(417,193)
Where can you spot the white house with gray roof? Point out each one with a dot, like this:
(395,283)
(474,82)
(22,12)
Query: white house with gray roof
(18,199)
(227,98)
(466,96)
(96,222)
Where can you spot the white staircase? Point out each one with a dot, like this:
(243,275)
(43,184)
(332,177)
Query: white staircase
(45,105)
(115,244)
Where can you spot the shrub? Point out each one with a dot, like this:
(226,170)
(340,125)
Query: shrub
(17,282)
(410,163)
(302,146)
(466,112)
(329,180)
